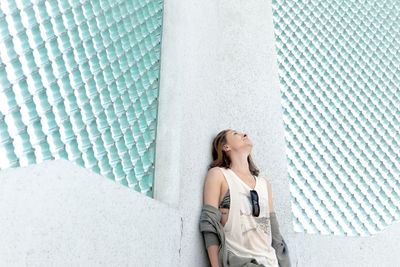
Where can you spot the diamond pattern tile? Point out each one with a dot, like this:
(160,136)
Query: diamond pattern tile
(339,77)
(79,80)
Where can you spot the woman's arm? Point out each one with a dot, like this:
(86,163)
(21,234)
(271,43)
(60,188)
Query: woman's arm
(270,202)
(213,255)
(211,197)
(278,243)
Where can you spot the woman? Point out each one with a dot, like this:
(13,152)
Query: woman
(238,212)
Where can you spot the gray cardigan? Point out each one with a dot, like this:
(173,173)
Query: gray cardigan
(213,233)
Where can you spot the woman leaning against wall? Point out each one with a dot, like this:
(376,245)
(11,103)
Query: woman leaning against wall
(238,221)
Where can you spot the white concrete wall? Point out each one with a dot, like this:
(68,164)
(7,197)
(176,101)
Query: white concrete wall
(218,71)
(60,214)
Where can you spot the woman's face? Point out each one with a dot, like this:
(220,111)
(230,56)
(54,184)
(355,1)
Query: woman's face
(237,140)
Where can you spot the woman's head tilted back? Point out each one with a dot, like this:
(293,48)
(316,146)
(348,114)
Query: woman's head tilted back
(227,142)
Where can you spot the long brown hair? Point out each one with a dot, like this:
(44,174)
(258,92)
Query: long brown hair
(221,159)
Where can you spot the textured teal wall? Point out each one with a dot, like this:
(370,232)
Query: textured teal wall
(339,71)
(79,80)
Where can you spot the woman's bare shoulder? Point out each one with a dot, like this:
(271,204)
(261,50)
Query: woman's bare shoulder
(212,186)
(265,177)
(214,175)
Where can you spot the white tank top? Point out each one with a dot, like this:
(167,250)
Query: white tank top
(246,235)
